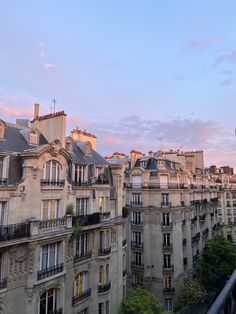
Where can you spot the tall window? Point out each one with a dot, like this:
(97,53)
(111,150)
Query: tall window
(48,301)
(169,305)
(137,218)
(166,239)
(138,258)
(82,244)
(137,237)
(167,282)
(81,283)
(82,206)
(167,260)
(166,219)
(136,199)
(80,173)
(165,199)
(103,277)
(3,213)
(50,209)
(1,167)
(101,204)
(52,171)
(3,264)
(104,239)
(49,255)
(137,279)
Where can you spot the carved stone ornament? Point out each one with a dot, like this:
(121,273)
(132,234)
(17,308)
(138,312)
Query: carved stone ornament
(136,172)
(55,148)
(35,171)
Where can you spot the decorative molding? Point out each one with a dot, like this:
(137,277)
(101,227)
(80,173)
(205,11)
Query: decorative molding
(55,148)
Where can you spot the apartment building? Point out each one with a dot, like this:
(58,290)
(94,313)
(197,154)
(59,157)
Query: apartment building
(44,267)
(173,208)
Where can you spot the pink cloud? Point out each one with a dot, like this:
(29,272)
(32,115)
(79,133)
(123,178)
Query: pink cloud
(230,57)
(15,111)
(110,139)
(200,44)
(49,66)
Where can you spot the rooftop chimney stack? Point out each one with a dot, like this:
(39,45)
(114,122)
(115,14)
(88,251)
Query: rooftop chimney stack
(36,111)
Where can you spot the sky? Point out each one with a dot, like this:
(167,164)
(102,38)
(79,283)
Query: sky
(135,73)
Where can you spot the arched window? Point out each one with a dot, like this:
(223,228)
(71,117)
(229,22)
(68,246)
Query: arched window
(2,129)
(104,277)
(48,301)
(81,283)
(33,137)
(52,171)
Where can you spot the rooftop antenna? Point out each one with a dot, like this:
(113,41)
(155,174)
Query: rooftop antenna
(50,108)
(160,139)
(54,104)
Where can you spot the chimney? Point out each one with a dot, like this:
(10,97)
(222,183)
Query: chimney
(36,111)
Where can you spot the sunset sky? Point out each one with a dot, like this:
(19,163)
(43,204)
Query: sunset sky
(130,71)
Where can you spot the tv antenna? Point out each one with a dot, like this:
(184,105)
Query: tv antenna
(54,105)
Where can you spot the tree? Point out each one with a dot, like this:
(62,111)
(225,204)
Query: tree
(218,262)
(141,301)
(192,292)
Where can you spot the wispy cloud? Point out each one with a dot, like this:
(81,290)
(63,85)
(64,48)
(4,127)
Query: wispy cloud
(227,82)
(15,111)
(42,54)
(229,57)
(49,66)
(200,44)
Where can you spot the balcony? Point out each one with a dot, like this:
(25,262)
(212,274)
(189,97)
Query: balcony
(214,200)
(137,245)
(205,233)
(136,204)
(196,238)
(137,224)
(82,257)
(169,290)
(168,268)
(216,227)
(195,257)
(167,247)
(13,232)
(58,223)
(165,204)
(48,272)
(52,183)
(124,273)
(137,266)
(167,226)
(86,220)
(105,215)
(3,283)
(202,218)
(103,252)
(124,242)
(104,288)
(79,184)
(80,297)
(101,180)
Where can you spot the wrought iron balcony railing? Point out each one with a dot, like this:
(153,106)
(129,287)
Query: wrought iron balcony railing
(105,251)
(81,257)
(50,271)
(49,182)
(82,296)
(104,288)
(16,231)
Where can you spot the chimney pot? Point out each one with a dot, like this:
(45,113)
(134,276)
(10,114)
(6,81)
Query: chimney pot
(36,111)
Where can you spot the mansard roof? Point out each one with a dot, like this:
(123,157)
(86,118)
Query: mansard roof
(14,140)
(79,156)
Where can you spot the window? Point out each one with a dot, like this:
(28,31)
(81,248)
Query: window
(80,173)
(137,237)
(165,199)
(136,199)
(3,273)
(167,282)
(48,301)
(103,277)
(81,283)
(138,258)
(3,213)
(169,305)
(137,218)
(167,261)
(52,171)
(101,308)
(1,167)
(101,204)
(50,209)
(166,219)
(49,255)
(137,279)
(166,239)
(82,205)
(228,204)
(107,307)
(33,137)
(82,244)
(104,239)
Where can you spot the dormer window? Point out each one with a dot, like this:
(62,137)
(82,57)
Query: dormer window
(143,164)
(2,129)
(33,137)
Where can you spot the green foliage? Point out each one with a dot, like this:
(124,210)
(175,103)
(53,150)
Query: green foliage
(76,230)
(70,209)
(218,262)
(141,301)
(192,292)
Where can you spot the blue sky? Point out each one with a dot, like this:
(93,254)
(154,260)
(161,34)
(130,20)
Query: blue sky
(130,71)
